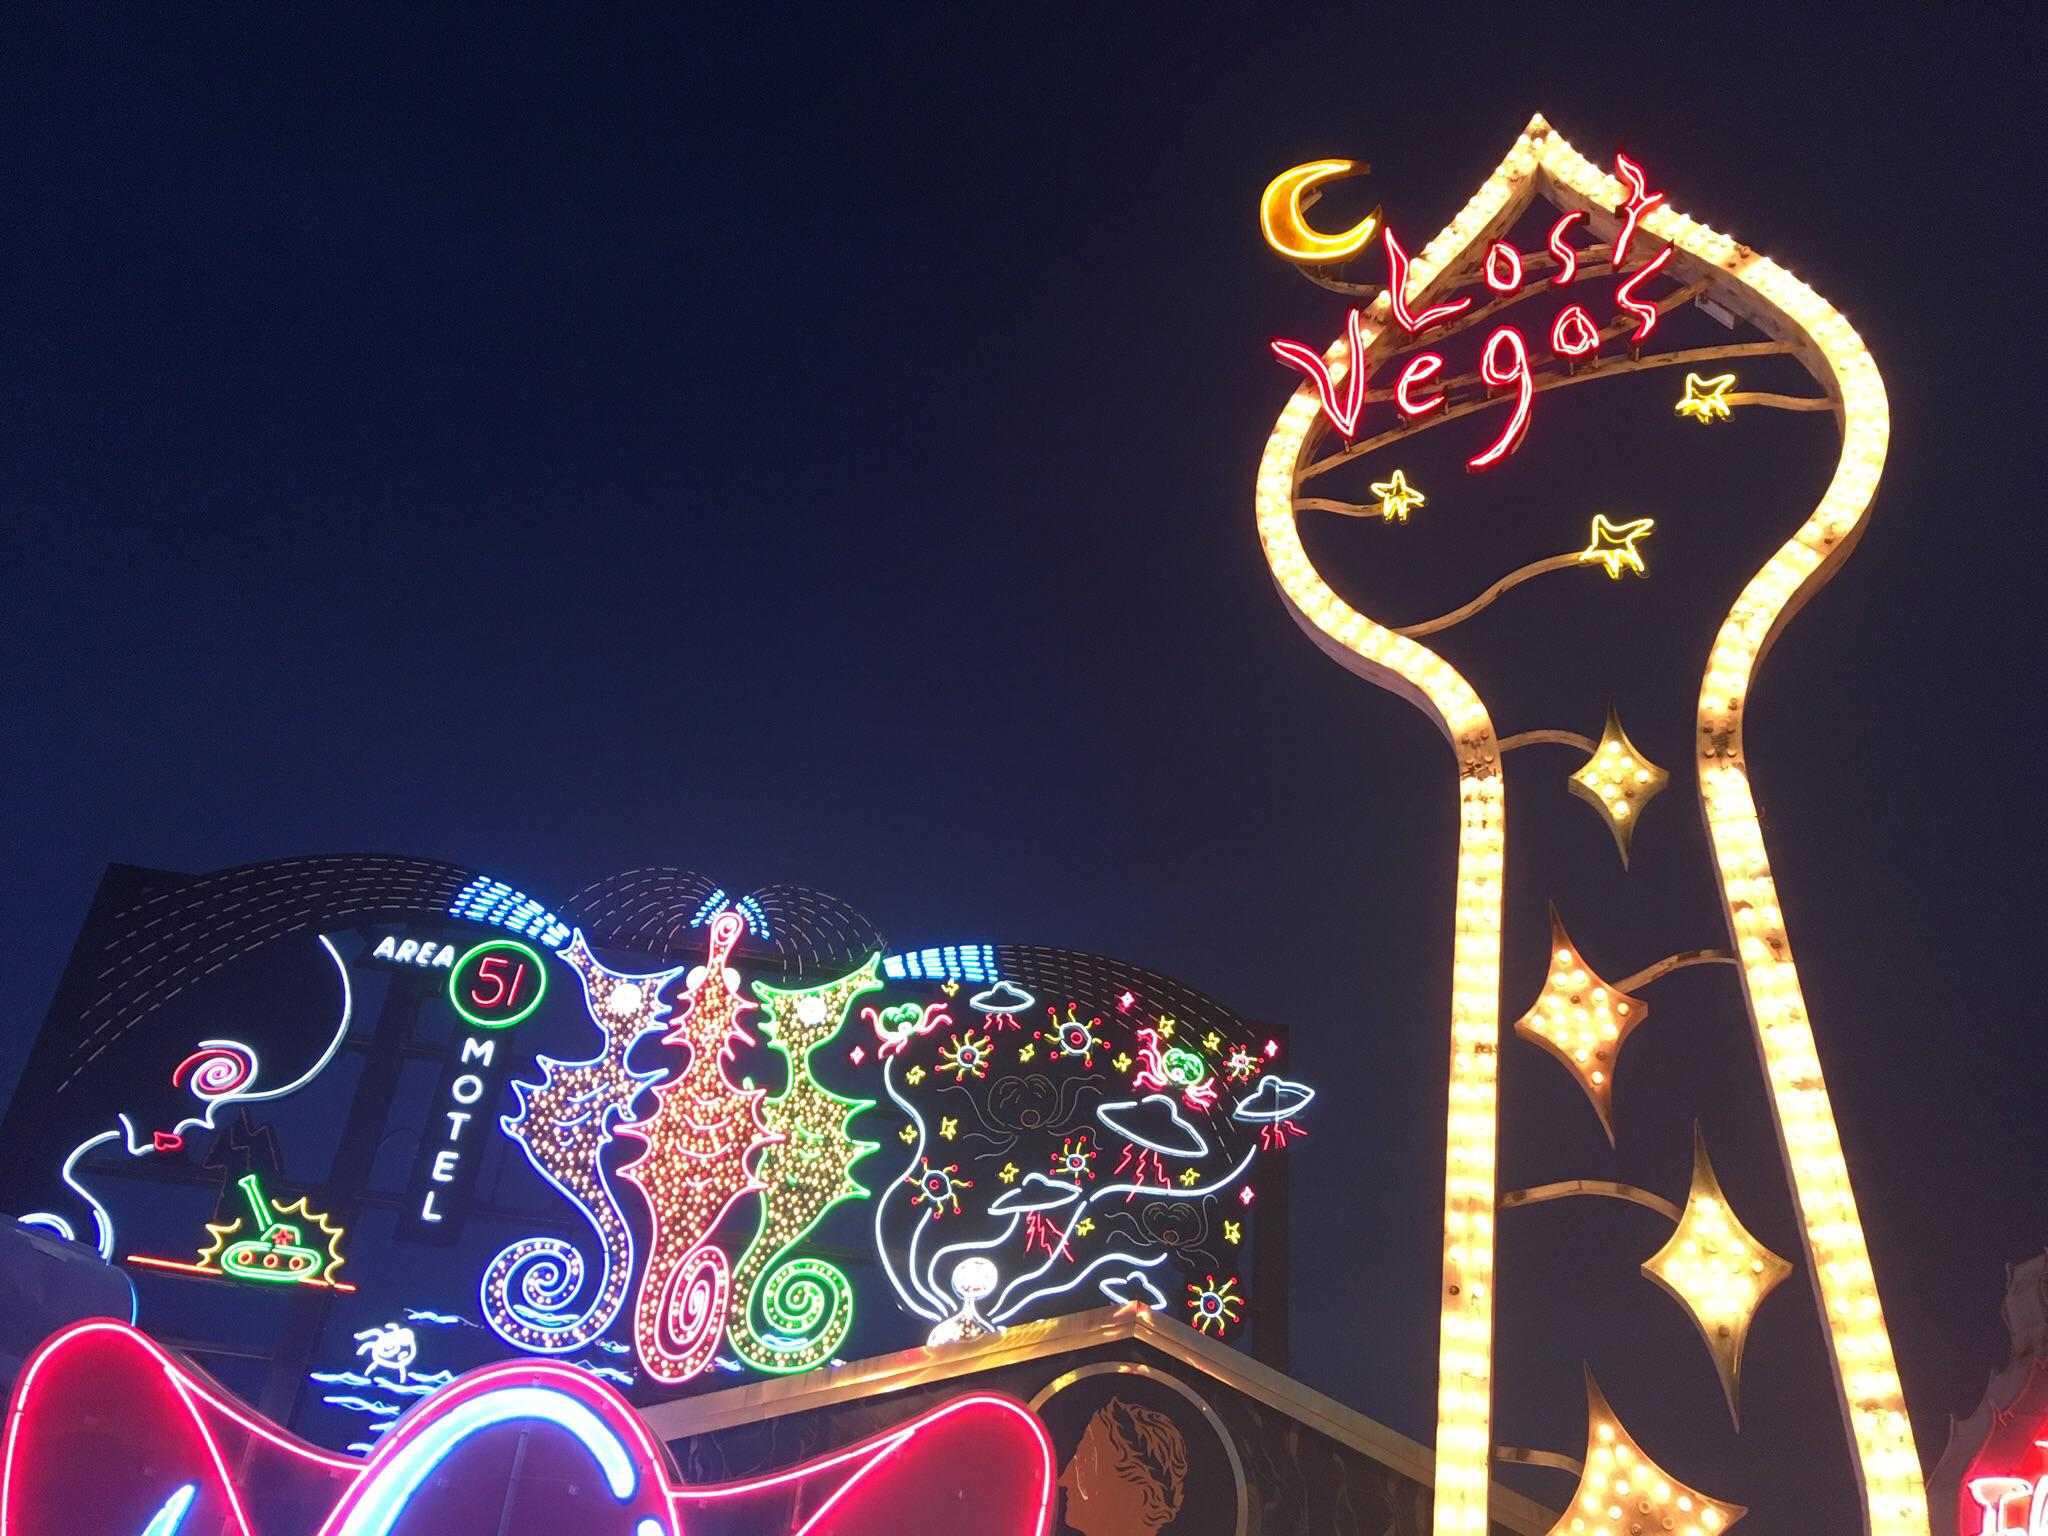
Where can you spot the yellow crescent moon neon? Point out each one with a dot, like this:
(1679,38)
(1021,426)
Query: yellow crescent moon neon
(1288,232)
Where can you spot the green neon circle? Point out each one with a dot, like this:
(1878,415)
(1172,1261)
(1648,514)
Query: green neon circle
(540,969)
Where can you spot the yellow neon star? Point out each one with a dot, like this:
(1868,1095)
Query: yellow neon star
(1007,1173)
(1123,1061)
(1706,399)
(1025,1053)
(1397,497)
(1189,1178)
(914,1076)
(950,988)
(908,1135)
(1166,1026)
(1232,1232)
(1615,543)
(948,1127)
(1212,1040)
(1084,1226)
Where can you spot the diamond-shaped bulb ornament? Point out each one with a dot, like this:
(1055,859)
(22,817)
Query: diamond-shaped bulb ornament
(1718,1272)
(1622,1492)
(1618,781)
(1582,1021)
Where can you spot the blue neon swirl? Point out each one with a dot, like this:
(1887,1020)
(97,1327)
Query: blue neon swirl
(165,1522)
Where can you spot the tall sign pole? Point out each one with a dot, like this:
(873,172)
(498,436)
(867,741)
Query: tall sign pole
(1470,275)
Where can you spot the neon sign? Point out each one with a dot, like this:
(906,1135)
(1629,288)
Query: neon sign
(494,986)
(277,1249)
(184,1456)
(1656,258)
(498,983)
(1504,362)
(424,953)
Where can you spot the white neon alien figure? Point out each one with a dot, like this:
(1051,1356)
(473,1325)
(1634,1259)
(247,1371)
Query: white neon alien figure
(218,1073)
(972,1280)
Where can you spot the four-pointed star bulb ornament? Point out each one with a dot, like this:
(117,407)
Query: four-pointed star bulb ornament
(1718,1272)
(1707,399)
(1618,781)
(1582,1021)
(1397,497)
(1622,1492)
(1615,543)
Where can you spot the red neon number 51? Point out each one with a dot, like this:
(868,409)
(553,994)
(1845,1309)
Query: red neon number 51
(504,993)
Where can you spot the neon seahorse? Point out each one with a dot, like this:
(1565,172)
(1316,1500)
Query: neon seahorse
(563,1125)
(700,1143)
(807,1302)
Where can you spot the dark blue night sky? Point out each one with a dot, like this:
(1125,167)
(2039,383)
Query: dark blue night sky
(816,445)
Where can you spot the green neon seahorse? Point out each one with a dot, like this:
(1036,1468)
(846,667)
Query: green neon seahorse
(807,1303)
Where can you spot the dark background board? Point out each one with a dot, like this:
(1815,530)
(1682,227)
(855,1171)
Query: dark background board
(818,447)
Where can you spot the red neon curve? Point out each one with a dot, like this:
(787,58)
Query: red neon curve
(1497,377)
(1573,333)
(1343,414)
(1640,201)
(240,1462)
(1397,290)
(1567,258)
(1645,312)
(1509,279)
(1422,366)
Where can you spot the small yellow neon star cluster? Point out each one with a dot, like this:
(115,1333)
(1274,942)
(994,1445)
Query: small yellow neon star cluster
(1618,781)
(1622,1492)
(1718,1272)
(1707,399)
(1582,1021)
(1397,497)
(1615,544)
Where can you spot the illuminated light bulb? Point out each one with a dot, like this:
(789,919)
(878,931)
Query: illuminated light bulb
(1717,1271)
(1615,544)
(1582,1021)
(1288,232)
(1659,1501)
(1706,399)
(1618,781)
(1397,497)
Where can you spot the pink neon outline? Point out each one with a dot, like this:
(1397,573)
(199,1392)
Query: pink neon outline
(1518,423)
(1624,297)
(1311,362)
(1423,365)
(248,1070)
(1397,290)
(1513,280)
(612,1409)
(877,1451)
(1565,254)
(1640,201)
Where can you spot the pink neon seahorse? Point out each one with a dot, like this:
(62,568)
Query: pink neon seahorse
(702,1144)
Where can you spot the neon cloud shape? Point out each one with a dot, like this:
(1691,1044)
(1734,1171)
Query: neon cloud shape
(1118,1288)
(1156,1124)
(1003,997)
(1273,1098)
(1037,1192)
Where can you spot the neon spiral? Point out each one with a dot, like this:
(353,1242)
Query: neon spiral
(216,1070)
(688,1319)
(808,1304)
(546,1274)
